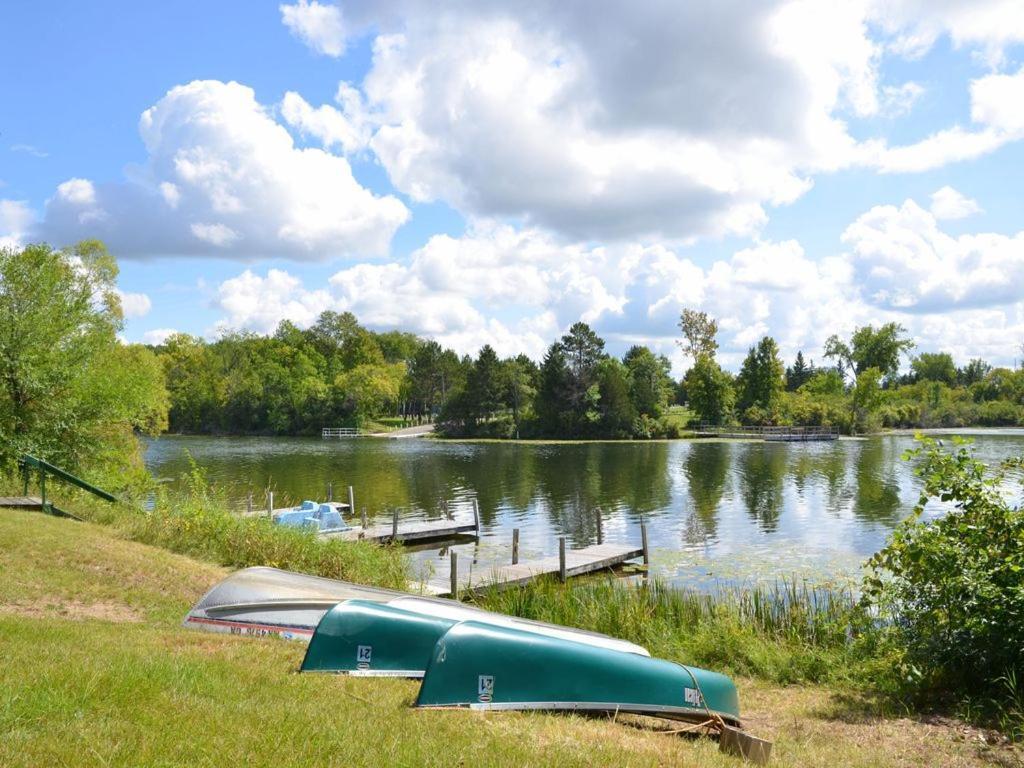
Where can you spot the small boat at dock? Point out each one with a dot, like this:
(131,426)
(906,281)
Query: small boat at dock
(322,517)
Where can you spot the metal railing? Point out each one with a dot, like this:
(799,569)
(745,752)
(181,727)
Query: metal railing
(29,463)
(340,432)
(771,433)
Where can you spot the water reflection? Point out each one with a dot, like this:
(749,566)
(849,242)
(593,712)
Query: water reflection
(713,509)
(762,470)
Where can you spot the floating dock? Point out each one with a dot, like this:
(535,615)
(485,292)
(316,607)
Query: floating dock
(577,563)
(422,530)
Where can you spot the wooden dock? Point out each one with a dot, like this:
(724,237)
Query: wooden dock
(21,502)
(577,563)
(421,530)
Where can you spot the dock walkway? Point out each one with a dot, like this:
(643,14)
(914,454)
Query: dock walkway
(577,563)
(423,530)
(21,502)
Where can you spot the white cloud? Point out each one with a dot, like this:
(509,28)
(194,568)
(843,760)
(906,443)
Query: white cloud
(16,219)
(905,262)
(260,303)
(558,118)
(29,149)
(520,289)
(947,203)
(990,26)
(158,336)
(77,192)
(347,128)
(134,304)
(224,178)
(997,110)
(318,26)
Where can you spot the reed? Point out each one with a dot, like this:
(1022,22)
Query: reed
(789,631)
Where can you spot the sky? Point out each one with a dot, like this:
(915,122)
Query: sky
(489,173)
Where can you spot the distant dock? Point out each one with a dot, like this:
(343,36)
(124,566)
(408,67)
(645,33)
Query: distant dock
(771,434)
(567,564)
(339,432)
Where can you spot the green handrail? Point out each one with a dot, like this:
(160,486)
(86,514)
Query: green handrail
(28,462)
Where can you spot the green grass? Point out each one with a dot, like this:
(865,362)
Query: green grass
(98,671)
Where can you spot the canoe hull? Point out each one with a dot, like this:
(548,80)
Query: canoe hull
(358,637)
(477,666)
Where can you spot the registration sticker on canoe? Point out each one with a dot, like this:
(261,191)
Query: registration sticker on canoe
(485,688)
(692,697)
(363,654)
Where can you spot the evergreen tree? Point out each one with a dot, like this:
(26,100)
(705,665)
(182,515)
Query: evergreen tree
(583,350)
(760,382)
(552,403)
(799,374)
(617,412)
(485,384)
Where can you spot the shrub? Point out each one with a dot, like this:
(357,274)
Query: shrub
(950,592)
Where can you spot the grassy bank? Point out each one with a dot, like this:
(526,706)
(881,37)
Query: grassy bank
(98,671)
(198,521)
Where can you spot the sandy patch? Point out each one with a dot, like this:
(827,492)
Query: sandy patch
(74,610)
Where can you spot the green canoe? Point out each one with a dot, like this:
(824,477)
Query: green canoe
(491,667)
(362,637)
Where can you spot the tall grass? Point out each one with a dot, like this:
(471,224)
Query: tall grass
(789,632)
(198,520)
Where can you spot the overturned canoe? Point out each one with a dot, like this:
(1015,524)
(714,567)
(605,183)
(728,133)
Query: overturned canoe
(359,637)
(450,609)
(397,638)
(483,666)
(268,601)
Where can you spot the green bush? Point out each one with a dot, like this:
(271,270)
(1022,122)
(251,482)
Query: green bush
(950,592)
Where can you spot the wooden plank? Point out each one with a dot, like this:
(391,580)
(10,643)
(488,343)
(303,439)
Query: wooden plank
(412,531)
(577,563)
(21,502)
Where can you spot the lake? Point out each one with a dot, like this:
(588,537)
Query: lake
(716,511)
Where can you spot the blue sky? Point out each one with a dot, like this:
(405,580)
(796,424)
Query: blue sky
(490,173)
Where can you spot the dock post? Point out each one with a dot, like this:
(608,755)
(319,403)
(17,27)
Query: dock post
(455,576)
(270,504)
(351,501)
(394,525)
(643,541)
(600,532)
(330,491)
(515,546)
(561,560)
(364,518)
(476,515)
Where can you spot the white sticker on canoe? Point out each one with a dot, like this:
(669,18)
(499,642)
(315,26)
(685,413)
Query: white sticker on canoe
(363,654)
(485,688)
(692,697)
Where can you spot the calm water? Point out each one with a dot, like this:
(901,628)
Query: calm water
(716,511)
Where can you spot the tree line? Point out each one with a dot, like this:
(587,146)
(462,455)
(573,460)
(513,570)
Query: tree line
(859,388)
(70,390)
